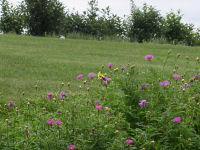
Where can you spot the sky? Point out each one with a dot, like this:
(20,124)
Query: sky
(189,8)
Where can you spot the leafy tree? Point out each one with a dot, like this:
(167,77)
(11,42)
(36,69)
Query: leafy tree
(91,18)
(111,24)
(44,16)
(12,18)
(145,24)
(174,27)
(75,23)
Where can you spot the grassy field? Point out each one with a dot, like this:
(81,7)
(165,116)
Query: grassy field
(151,107)
(47,62)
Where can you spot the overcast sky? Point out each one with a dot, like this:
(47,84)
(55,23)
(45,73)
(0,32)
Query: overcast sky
(190,8)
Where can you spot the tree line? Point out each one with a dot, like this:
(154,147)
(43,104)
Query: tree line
(49,17)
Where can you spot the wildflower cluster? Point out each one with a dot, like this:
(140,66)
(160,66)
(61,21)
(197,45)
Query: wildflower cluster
(127,109)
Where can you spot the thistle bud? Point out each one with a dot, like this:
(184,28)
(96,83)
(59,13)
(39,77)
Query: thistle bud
(116,132)
(133,66)
(106,108)
(68,84)
(152,142)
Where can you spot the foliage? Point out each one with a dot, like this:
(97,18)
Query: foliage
(12,18)
(44,17)
(145,24)
(94,22)
(48,18)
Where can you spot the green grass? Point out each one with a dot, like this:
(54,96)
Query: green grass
(26,61)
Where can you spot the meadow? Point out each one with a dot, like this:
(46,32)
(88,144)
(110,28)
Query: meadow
(47,62)
(86,94)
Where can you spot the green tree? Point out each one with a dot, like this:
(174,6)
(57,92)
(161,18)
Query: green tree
(44,16)
(12,18)
(174,27)
(145,24)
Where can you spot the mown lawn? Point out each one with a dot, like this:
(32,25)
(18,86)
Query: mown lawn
(47,62)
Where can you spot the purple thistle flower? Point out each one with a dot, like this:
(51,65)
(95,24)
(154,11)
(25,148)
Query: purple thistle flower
(149,57)
(49,96)
(62,93)
(196,76)
(106,79)
(10,104)
(58,123)
(177,119)
(186,85)
(91,75)
(80,76)
(164,83)
(62,97)
(110,64)
(123,68)
(176,76)
(143,102)
(99,107)
(143,86)
(50,121)
(129,141)
(71,147)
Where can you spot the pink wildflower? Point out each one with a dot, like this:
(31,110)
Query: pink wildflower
(177,119)
(196,76)
(176,76)
(62,95)
(91,75)
(186,85)
(10,104)
(99,107)
(129,141)
(71,147)
(110,64)
(58,123)
(164,83)
(107,79)
(50,121)
(143,102)
(143,86)
(49,96)
(149,57)
(80,76)
(123,68)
